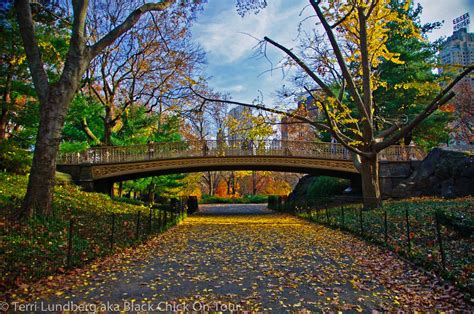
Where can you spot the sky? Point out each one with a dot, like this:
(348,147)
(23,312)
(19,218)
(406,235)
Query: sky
(229,40)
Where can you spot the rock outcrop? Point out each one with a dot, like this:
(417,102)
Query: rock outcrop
(301,190)
(443,172)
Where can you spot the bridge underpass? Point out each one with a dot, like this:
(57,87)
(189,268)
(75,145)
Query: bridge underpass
(96,169)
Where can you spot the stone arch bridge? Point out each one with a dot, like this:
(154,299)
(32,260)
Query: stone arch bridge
(96,169)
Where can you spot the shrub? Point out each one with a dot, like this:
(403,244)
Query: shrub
(192,204)
(13,158)
(273,202)
(323,186)
(72,147)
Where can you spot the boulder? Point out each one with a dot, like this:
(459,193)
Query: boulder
(301,190)
(443,172)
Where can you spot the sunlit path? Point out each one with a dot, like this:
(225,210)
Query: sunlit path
(260,261)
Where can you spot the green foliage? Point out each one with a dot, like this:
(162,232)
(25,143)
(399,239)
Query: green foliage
(15,79)
(27,118)
(246,199)
(407,88)
(38,247)
(456,218)
(71,147)
(84,109)
(13,158)
(140,127)
(322,186)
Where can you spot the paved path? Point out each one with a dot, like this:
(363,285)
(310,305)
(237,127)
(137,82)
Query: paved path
(257,260)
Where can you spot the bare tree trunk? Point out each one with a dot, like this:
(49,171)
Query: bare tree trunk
(233,183)
(151,194)
(254,182)
(56,97)
(108,125)
(39,194)
(3,124)
(211,183)
(227,182)
(5,103)
(370,182)
(120,189)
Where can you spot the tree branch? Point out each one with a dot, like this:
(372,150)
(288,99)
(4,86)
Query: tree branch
(367,90)
(308,71)
(334,130)
(443,97)
(88,131)
(35,63)
(318,125)
(340,59)
(344,17)
(126,25)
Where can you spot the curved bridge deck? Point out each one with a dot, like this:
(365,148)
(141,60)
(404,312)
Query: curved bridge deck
(112,164)
(212,148)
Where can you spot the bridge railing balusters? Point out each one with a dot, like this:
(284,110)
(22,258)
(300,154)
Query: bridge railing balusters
(221,148)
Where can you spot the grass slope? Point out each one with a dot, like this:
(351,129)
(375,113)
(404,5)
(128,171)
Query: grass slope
(418,240)
(39,247)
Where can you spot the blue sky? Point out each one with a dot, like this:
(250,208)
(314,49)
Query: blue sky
(232,64)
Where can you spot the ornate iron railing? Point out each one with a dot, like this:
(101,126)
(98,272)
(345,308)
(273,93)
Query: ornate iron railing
(213,148)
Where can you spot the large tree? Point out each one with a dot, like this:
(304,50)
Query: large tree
(148,65)
(408,86)
(16,89)
(56,95)
(356,33)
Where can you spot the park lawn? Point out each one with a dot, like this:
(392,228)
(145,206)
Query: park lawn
(39,247)
(420,241)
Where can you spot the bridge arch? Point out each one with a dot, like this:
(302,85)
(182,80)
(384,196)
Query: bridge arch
(98,168)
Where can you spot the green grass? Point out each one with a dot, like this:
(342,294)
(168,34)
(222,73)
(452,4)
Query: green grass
(37,248)
(246,199)
(456,219)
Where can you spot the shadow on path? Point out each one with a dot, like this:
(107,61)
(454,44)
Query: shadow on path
(234,209)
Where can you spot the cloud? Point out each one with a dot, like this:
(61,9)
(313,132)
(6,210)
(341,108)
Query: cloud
(235,88)
(437,11)
(228,37)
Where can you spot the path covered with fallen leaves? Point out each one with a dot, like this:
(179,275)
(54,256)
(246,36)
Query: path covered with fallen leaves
(246,257)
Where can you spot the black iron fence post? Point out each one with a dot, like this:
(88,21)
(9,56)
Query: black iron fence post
(361,222)
(137,232)
(385,226)
(69,243)
(112,231)
(407,221)
(149,220)
(160,220)
(342,217)
(440,241)
(327,216)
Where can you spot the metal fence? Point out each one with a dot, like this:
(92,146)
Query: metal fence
(436,235)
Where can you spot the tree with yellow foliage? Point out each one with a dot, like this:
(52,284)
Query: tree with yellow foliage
(357,33)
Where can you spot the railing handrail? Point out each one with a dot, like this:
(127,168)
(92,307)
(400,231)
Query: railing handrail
(223,148)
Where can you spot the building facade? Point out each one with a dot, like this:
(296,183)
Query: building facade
(292,129)
(240,115)
(458,51)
